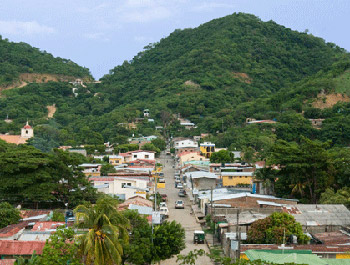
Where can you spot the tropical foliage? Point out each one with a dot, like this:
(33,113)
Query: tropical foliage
(32,178)
(8,214)
(60,248)
(276,229)
(107,232)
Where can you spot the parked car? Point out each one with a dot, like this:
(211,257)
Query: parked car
(181,194)
(162,204)
(164,197)
(179,204)
(164,211)
(179,186)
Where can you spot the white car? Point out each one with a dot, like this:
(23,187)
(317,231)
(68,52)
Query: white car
(164,211)
(179,186)
(162,204)
(179,204)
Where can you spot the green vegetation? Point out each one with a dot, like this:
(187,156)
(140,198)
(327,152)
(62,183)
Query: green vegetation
(213,73)
(8,215)
(217,75)
(223,156)
(342,196)
(32,178)
(102,244)
(276,229)
(60,249)
(17,58)
(57,216)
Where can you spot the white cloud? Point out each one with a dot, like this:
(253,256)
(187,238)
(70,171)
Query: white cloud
(15,27)
(143,39)
(146,14)
(209,6)
(96,36)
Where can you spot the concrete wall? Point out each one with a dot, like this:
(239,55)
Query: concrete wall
(204,183)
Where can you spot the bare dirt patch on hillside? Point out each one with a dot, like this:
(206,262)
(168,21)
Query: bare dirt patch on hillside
(327,101)
(51,111)
(242,77)
(192,84)
(26,78)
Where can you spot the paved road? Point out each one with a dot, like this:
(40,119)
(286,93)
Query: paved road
(181,216)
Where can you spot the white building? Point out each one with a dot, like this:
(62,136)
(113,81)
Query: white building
(27,131)
(123,187)
(185,145)
(138,154)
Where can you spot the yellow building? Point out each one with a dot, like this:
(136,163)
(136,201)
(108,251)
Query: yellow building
(207,149)
(116,160)
(232,179)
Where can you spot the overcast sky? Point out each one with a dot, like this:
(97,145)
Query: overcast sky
(102,34)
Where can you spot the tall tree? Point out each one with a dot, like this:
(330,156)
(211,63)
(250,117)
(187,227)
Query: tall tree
(102,244)
(139,251)
(223,156)
(306,164)
(275,229)
(168,240)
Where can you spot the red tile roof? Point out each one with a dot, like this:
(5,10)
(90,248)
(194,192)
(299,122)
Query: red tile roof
(139,151)
(149,161)
(334,238)
(7,261)
(13,229)
(137,200)
(15,247)
(140,166)
(31,213)
(188,152)
(43,226)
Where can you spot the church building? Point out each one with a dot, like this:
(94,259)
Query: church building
(27,132)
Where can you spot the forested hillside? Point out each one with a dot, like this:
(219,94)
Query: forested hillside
(207,71)
(18,58)
(217,75)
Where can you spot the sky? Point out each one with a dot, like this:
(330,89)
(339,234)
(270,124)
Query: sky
(101,34)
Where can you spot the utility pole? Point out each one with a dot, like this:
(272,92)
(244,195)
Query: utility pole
(237,237)
(211,200)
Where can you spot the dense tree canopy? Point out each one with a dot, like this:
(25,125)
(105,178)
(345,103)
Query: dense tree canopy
(29,176)
(232,68)
(8,214)
(17,58)
(276,229)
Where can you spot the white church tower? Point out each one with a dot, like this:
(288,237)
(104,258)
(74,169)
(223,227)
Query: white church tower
(27,131)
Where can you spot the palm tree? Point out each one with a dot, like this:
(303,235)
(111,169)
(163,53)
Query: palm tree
(107,231)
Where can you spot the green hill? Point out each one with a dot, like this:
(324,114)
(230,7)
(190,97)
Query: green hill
(217,75)
(209,70)
(20,58)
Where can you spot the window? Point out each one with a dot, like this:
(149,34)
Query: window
(26,131)
(125,185)
(230,177)
(135,156)
(146,156)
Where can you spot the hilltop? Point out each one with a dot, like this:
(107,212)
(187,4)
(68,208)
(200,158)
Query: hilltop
(211,69)
(216,75)
(20,62)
